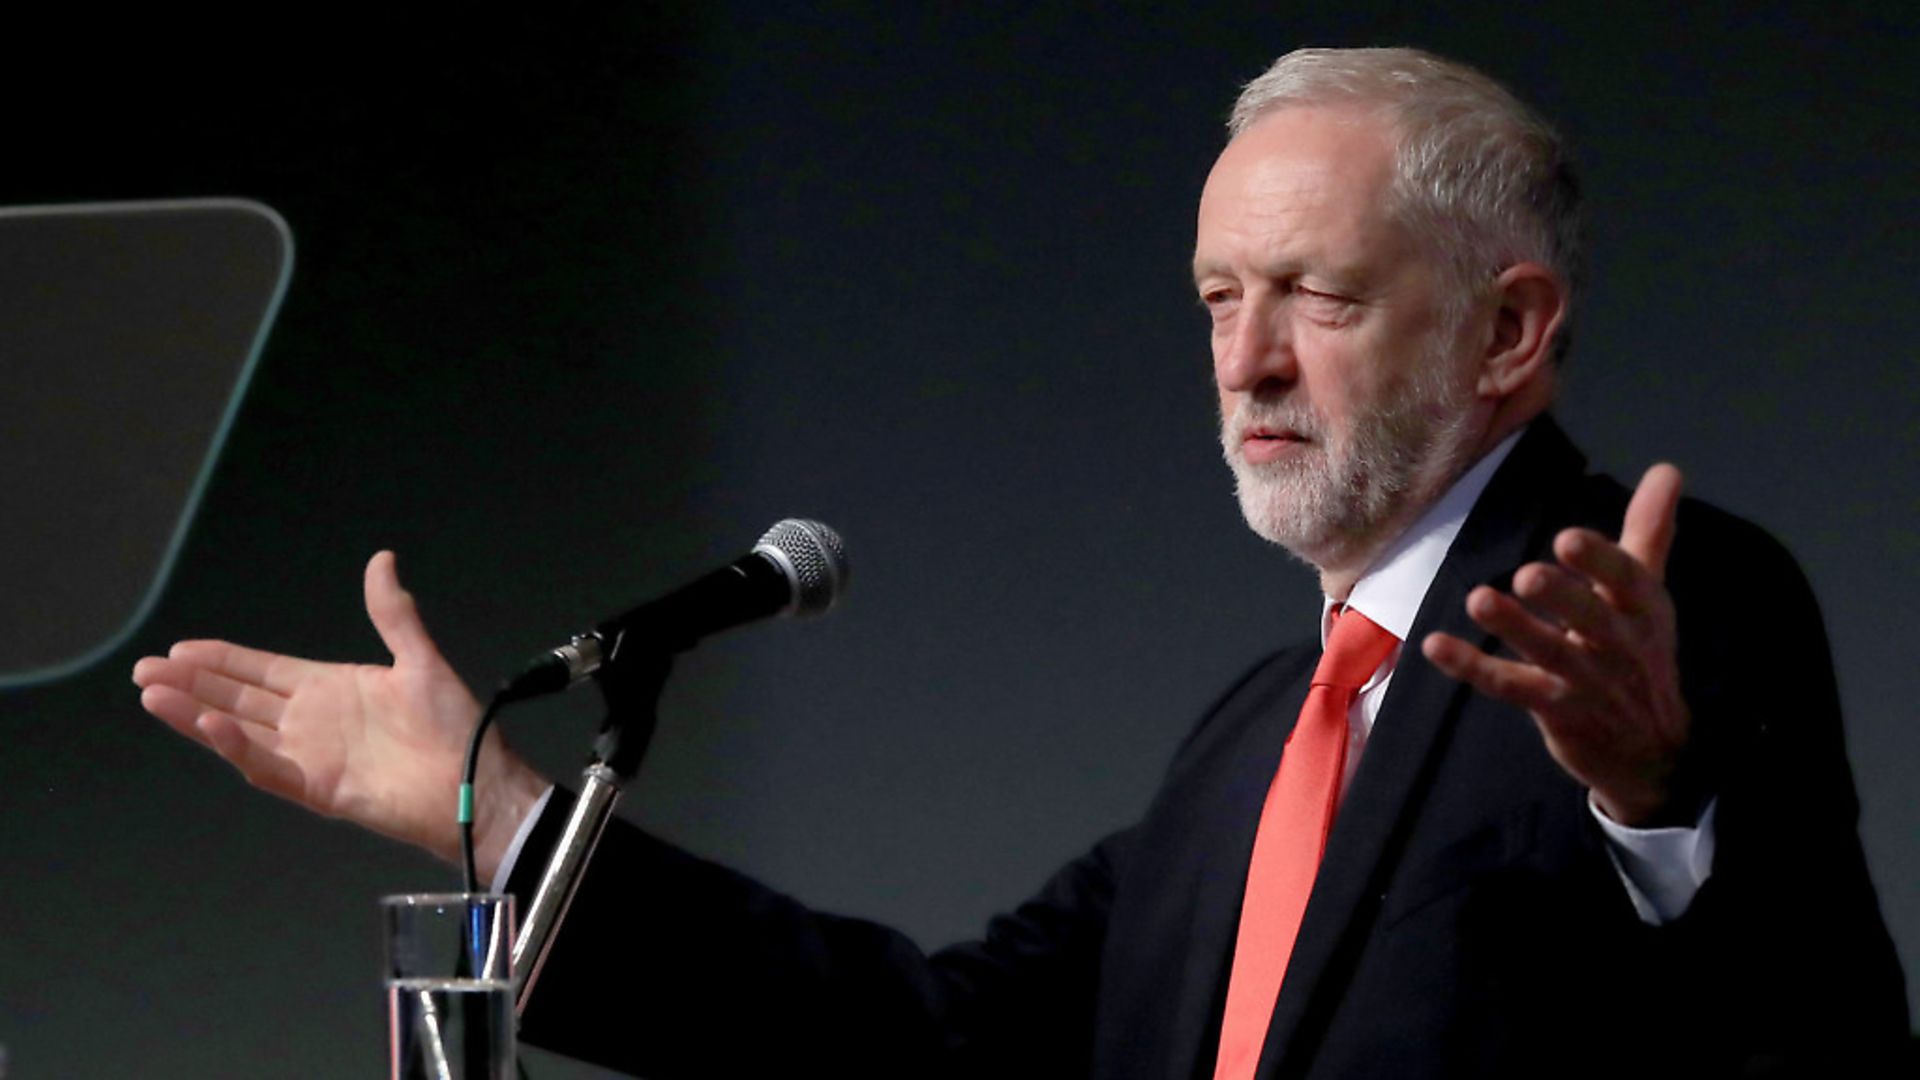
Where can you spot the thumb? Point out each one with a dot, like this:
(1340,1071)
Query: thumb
(1647,532)
(394,613)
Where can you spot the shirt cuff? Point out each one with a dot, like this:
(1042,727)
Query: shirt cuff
(505,871)
(1661,868)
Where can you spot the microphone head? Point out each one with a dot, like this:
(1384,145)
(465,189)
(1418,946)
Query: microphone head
(813,559)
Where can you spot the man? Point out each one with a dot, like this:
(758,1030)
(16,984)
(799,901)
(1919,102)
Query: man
(1626,848)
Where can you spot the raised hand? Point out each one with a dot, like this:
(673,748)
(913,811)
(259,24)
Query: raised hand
(1595,641)
(377,745)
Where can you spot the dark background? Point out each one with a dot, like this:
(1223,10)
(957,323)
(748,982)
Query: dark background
(586,300)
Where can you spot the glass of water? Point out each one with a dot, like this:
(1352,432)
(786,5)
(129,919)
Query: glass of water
(449,986)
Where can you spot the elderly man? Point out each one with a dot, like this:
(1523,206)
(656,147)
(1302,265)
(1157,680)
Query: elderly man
(1623,844)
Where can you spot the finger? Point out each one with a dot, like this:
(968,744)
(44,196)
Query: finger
(1623,580)
(242,701)
(394,614)
(1535,640)
(1647,531)
(277,672)
(147,669)
(1526,685)
(177,710)
(252,749)
(212,690)
(1568,599)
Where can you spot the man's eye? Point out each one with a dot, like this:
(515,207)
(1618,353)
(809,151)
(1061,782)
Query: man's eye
(1325,305)
(1217,300)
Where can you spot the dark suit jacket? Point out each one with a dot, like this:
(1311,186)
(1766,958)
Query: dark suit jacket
(1467,920)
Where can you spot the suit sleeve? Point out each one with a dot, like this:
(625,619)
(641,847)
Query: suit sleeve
(1784,952)
(672,966)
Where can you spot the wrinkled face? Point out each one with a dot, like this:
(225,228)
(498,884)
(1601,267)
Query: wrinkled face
(1346,397)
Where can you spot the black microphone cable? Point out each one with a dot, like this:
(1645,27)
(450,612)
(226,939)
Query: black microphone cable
(471,876)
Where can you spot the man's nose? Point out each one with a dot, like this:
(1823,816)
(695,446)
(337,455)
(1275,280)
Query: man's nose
(1257,350)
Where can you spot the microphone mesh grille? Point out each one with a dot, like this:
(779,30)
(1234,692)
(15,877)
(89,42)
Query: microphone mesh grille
(818,558)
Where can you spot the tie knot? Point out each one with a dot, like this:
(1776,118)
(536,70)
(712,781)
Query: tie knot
(1356,647)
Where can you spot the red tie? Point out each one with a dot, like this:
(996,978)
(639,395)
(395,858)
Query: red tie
(1292,834)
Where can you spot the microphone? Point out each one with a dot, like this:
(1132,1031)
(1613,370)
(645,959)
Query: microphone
(798,568)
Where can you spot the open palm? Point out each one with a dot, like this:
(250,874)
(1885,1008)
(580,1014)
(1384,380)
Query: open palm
(378,745)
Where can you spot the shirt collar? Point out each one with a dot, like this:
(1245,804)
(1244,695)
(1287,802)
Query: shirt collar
(1390,592)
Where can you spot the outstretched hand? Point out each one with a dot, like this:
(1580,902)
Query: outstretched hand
(1596,661)
(381,746)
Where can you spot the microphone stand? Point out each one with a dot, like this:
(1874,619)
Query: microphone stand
(631,680)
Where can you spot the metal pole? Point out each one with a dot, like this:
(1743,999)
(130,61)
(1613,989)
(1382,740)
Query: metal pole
(599,787)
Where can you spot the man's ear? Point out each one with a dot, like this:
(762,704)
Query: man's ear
(1530,303)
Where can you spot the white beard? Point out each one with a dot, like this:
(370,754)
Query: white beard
(1336,497)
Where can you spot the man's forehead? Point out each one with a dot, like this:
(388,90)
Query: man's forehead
(1322,168)
(1287,145)
(1273,189)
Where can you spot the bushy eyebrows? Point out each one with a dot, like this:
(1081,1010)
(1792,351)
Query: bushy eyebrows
(1205,267)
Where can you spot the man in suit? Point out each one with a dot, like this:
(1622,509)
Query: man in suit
(1627,845)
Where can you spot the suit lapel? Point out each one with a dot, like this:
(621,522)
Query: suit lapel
(1198,887)
(1502,531)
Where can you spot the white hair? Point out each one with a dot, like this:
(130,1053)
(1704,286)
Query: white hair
(1481,180)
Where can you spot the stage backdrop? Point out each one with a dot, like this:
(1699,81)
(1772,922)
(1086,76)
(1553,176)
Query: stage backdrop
(585,301)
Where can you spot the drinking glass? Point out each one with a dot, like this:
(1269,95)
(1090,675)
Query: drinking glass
(449,986)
